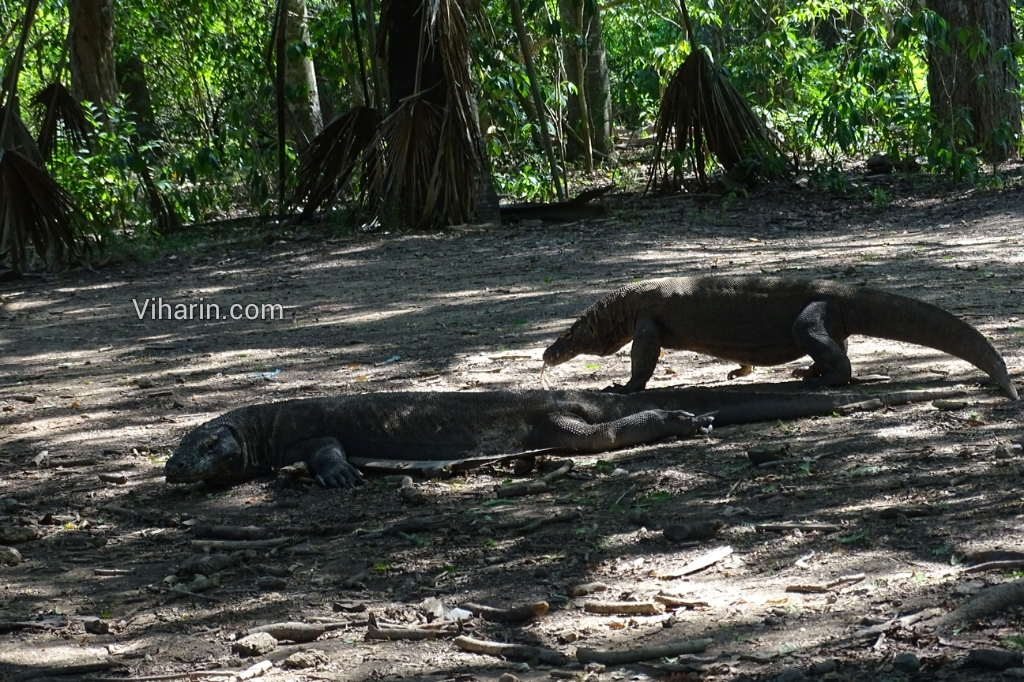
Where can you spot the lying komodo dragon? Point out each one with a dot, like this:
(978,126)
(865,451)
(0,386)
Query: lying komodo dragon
(764,321)
(428,431)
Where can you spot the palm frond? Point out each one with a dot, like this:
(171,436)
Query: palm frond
(34,212)
(327,164)
(707,115)
(401,161)
(15,136)
(60,106)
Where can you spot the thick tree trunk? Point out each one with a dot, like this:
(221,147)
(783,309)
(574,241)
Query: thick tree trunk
(304,117)
(596,85)
(92,52)
(983,87)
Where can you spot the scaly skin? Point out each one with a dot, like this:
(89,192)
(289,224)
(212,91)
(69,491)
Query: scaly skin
(426,431)
(759,321)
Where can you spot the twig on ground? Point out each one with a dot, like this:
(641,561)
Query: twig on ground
(541,485)
(624,608)
(518,652)
(698,564)
(647,653)
(515,614)
(291,631)
(231,545)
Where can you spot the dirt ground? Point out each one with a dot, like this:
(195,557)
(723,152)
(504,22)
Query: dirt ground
(94,400)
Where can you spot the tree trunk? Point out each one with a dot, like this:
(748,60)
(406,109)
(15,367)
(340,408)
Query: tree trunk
(92,52)
(983,87)
(404,53)
(596,85)
(304,118)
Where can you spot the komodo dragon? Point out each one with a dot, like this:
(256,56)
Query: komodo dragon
(764,321)
(459,430)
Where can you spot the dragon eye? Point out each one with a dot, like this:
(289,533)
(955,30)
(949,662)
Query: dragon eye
(210,442)
(564,336)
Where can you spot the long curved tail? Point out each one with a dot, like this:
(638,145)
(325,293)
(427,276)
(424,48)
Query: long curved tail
(885,315)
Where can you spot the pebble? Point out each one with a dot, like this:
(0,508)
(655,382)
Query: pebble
(906,663)
(96,626)
(508,677)
(791,675)
(9,556)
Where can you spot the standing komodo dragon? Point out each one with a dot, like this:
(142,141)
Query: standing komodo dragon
(408,430)
(764,321)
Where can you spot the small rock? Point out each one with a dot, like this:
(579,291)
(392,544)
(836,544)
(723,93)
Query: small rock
(508,677)
(568,637)
(772,621)
(96,626)
(791,675)
(906,663)
(25,398)
(9,556)
(254,645)
(302,660)
(144,382)
(619,471)
(522,667)
(823,667)
(993,659)
(949,405)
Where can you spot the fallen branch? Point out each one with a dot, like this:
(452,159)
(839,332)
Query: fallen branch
(192,675)
(231,545)
(698,564)
(517,652)
(673,602)
(523,526)
(541,485)
(827,587)
(784,527)
(515,614)
(255,670)
(586,588)
(648,653)
(82,669)
(624,608)
(291,631)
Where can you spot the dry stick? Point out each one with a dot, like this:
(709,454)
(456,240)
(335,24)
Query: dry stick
(698,564)
(291,631)
(193,675)
(541,485)
(515,614)
(678,602)
(232,545)
(624,608)
(391,634)
(783,527)
(81,669)
(647,653)
(256,670)
(518,652)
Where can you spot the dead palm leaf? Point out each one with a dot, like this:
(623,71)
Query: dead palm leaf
(34,211)
(60,106)
(708,116)
(327,164)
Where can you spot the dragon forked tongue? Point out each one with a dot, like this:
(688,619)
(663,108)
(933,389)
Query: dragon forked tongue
(544,377)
